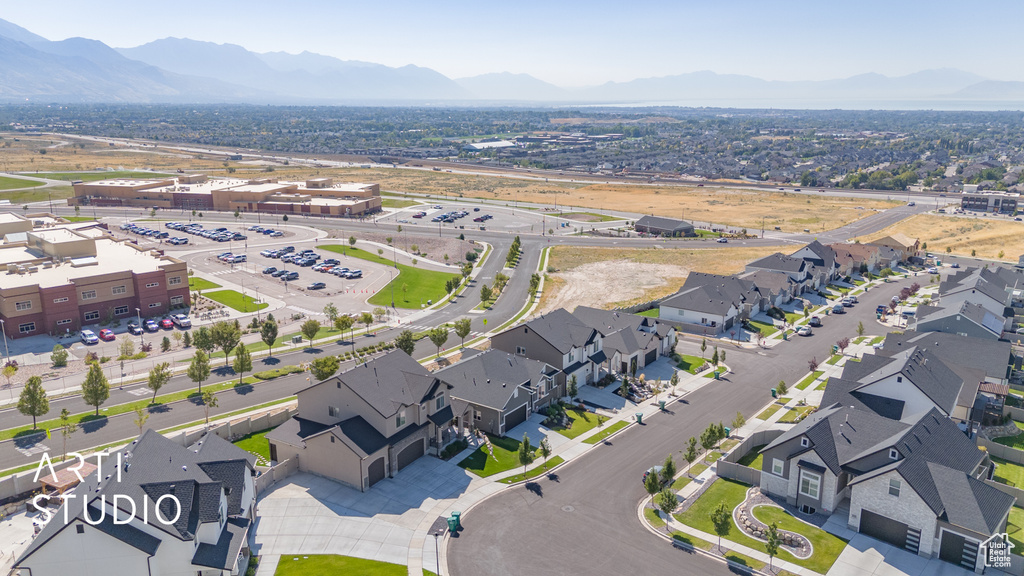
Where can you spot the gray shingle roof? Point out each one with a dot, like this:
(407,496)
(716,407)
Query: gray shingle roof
(661,223)
(562,330)
(770,280)
(223,554)
(780,262)
(957,352)
(389,382)
(606,321)
(491,378)
(844,393)
(925,371)
(699,299)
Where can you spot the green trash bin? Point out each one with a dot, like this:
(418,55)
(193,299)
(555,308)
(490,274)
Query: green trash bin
(453,524)
(639,417)
(775,393)
(457,516)
(835,349)
(717,374)
(661,404)
(785,335)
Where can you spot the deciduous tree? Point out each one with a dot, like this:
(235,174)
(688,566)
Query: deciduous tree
(33,401)
(199,369)
(95,389)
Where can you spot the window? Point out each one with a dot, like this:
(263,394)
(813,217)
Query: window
(64,321)
(155,305)
(542,387)
(778,466)
(333,411)
(439,403)
(176,300)
(174,280)
(120,310)
(118,290)
(27,327)
(152,285)
(899,378)
(893,454)
(92,315)
(477,415)
(521,350)
(804,442)
(894,487)
(809,484)
(27,305)
(88,294)
(400,419)
(59,300)
(332,439)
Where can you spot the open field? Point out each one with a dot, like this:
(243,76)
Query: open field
(607,277)
(9,183)
(961,235)
(93,175)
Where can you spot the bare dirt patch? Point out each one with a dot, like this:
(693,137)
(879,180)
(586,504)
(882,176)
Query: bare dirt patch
(992,239)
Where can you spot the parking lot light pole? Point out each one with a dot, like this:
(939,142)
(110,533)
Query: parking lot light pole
(142,331)
(7,352)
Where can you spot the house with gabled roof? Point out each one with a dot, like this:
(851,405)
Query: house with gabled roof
(776,287)
(797,269)
(823,258)
(901,243)
(973,359)
(960,317)
(367,423)
(495,391)
(917,484)
(713,303)
(559,339)
(661,226)
(629,339)
(161,509)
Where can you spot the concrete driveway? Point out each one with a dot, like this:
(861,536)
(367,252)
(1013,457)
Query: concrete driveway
(308,514)
(865,556)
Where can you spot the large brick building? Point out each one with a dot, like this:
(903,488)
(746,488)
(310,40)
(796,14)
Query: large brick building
(60,279)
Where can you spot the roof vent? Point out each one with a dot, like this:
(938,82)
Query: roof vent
(184,468)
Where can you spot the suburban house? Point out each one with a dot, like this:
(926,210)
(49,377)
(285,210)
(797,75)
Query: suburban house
(965,319)
(124,522)
(658,226)
(798,270)
(901,243)
(367,423)
(777,288)
(856,258)
(917,484)
(1004,286)
(561,340)
(495,391)
(823,258)
(712,303)
(971,358)
(629,339)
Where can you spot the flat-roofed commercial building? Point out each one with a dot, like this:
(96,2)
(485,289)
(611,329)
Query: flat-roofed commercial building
(990,201)
(316,196)
(61,279)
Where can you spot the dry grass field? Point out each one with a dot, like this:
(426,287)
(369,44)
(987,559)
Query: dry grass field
(609,277)
(992,239)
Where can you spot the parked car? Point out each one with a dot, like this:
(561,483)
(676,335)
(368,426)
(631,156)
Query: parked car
(181,321)
(276,234)
(847,302)
(134,328)
(107,335)
(649,471)
(279,273)
(852,298)
(290,276)
(270,270)
(167,324)
(954,265)
(933,270)
(804,331)
(88,337)
(316,286)
(814,321)
(838,309)
(151,325)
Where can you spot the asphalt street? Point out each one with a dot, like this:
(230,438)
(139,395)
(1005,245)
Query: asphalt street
(590,504)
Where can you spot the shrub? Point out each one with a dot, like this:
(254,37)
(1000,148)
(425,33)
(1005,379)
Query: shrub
(104,359)
(454,448)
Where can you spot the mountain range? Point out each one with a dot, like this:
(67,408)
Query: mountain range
(180,70)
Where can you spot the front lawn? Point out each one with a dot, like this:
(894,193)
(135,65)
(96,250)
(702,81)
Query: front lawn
(808,379)
(826,546)
(681,483)
(833,359)
(506,457)
(1009,473)
(323,564)
(200,284)
(419,285)
(256,443)
(235,299)
(652,313)
(764,328)
(690,364)
(653,518)
(794,415)
(753,458)
(606,432)
(539,470)
(877,340)
(793,317)
(769,411)
(582,422)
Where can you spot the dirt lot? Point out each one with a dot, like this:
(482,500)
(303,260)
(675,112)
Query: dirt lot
(609,277)
(992,239)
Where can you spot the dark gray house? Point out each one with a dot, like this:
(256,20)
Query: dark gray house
(495,391)
(560,339)
(659,226)
(712,303)
(963,318)
(629,339)
(918,485)
(973,359)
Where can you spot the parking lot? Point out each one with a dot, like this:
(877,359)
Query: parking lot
(499,218)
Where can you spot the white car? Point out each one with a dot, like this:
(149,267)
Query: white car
(89,337)
(933,270)
(804,331)
(181,321)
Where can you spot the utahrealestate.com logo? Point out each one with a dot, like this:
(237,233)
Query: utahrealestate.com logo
(997,551)
(118,503)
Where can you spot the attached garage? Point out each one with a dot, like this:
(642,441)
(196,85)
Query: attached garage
(515,418)
(884,529)
(410,453)
(376,471)
(958,550)
(650,357)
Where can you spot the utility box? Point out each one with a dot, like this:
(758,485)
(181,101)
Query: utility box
(297,339)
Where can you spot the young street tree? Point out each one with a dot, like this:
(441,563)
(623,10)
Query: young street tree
(95,389)
(703,347)
(781,389)
(366,318)
(405,342)
(738,421)
(652,483)
(141,416)
(225,335)
(59,356)
(860,328)
(573,388)
(668,470)
(439,336)
(545,451)
(379,313)
(203,340)
(486,293)
(158,376)
(9,371)
(708,440)
(67,428)
(462,329)
(691,453)
(526,455)
(268,334)
(331,311)
(771,545)
(242,363)
(309,329)
(199,369)
(842,343)
(33,401)
(209,401)
(722,520)
(324,367)
(667,501)
(812,364)
(714,356)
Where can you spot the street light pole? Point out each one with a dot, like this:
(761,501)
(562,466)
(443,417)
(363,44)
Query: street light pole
(3,327)
(437,552)
(142,331)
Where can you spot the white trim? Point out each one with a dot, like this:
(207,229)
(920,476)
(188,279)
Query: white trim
(812,478)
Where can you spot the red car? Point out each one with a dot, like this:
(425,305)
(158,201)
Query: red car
(167,324)
(106,335)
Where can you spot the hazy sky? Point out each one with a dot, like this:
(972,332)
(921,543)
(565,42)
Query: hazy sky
(574,43)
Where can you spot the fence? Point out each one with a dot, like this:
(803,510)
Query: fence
(241,427)
(1016,413)
(1000,451)
(271,475)
(729,467)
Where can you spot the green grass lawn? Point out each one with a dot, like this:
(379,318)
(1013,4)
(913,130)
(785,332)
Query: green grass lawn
(256,443)
(728,444)
(692,540)
(793,317)
(753,458)
(767,413)
(538,470)
(808,379)
(681,482)
(79,218)
(1015,530)
(195,283)
(1009,473)
(744,560)
(235,299)
(764,328)
(606,432)
(324,564)
(690,364)
(506,457)
(826,546)
(833,359)
(838,288)
(652,313)
(793,414)
(396,203)
(877,340)
(8,183)
(422,285)
(822,385)
(93,176)
(696,469)
(652,516)
(600,217)
(1013,441)
(714,455)
(582,422)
